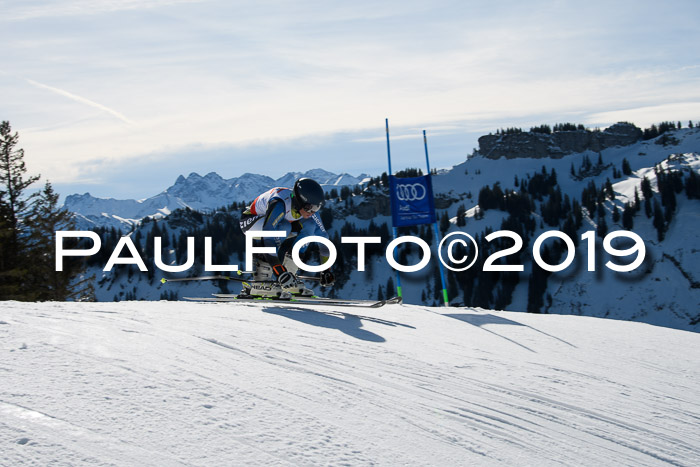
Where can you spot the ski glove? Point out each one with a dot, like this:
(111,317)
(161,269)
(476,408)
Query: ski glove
(286,279)
(327,279)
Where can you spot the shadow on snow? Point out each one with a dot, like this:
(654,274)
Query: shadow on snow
(480,321)
(347,323)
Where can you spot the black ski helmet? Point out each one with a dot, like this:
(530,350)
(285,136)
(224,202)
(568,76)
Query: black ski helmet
(308,195)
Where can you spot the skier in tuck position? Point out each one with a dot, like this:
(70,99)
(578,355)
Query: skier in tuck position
(293,211)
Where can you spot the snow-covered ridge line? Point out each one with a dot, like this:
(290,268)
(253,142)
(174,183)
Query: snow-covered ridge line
(661,293)
(195,191)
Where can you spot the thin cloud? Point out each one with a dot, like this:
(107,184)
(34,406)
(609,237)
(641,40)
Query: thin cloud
(21,11)
(651,114)
(379,139)
(82,100)
(271,77)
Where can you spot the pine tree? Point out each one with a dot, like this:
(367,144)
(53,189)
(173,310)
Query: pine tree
(437,285)
(668,199)
(626,169)
(628,217)
(616,214)
(659,222)
(569,228)
(444,223)
(14,205)
(609,191)
(461,215)
(647,192)
(327,218)
(692,186)
(390,288)
(602,227)
(48,284)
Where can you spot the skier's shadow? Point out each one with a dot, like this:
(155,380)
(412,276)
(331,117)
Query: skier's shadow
(347,323)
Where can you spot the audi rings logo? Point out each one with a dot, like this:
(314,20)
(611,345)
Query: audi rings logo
(413,192)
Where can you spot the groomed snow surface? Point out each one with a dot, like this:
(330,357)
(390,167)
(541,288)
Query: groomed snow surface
(177,383)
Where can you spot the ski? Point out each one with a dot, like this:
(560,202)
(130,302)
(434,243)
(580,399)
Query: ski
(223,298)
(389,301)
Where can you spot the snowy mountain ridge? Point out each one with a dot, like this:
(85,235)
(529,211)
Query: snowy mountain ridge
(662,291)
(202,193)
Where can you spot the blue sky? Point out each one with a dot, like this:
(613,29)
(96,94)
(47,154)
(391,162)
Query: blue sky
(119,97)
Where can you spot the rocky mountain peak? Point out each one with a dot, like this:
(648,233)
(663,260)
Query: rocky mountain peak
(558,144)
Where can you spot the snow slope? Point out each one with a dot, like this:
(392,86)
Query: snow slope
(177,383)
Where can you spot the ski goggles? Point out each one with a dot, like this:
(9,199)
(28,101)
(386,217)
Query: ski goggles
(311,208)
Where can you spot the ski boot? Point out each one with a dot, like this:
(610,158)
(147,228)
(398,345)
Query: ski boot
(272,289)
(265,285)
